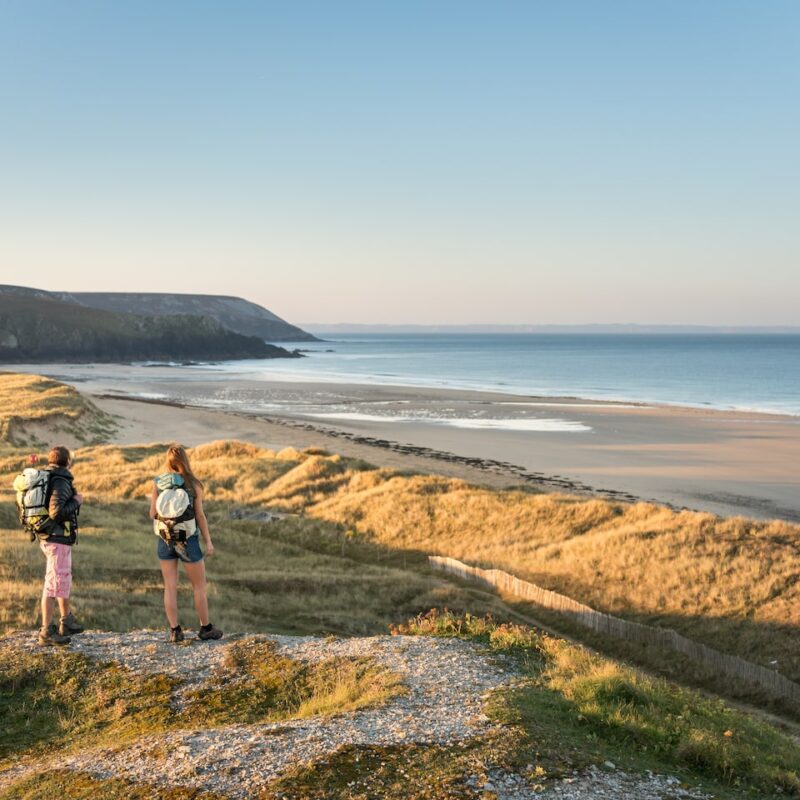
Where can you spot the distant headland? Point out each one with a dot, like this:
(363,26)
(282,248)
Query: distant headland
(40,326)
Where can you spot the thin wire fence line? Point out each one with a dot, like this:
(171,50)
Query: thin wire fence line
(771,681)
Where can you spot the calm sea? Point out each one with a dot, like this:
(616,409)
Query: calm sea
(753,372)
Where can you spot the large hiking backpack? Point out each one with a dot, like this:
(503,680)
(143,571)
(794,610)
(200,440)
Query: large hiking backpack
(33,489)
(175,519)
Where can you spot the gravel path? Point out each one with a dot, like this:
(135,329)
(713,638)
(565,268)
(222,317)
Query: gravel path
(447,681)
(594,783)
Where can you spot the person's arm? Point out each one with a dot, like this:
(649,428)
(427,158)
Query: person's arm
(202,522)
(153,498)
(63,502)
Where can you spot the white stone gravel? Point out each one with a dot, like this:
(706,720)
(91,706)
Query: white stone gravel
(591,784)
(447,681)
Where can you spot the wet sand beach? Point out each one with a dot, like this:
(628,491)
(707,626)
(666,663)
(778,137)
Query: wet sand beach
(730,463)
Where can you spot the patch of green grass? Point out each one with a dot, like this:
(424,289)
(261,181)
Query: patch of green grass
(66,785)
(257,684)
(412,772)
(62,697)
(577,707)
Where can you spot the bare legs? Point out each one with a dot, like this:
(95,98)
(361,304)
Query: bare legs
(197,575)
(169,571)
(47,608)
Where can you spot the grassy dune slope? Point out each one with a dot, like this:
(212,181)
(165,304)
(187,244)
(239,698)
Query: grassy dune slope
(36,411)
(290,576)
(732,583)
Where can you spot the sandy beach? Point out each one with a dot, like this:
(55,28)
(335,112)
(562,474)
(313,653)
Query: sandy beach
(730,463)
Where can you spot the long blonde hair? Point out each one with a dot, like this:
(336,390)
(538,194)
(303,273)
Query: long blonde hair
(178,461)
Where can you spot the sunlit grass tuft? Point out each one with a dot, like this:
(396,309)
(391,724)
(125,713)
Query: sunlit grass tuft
(258,684)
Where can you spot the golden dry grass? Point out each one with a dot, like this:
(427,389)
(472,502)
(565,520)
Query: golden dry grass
(34,409)
(732,583)
(352,560)
(298,575)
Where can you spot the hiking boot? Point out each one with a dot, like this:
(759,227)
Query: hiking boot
(207,632)
(176,634)
(69,625)
(50,635)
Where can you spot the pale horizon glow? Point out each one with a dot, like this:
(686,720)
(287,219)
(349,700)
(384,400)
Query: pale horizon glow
(420,163)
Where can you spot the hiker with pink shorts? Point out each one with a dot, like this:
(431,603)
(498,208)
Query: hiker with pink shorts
(56,543)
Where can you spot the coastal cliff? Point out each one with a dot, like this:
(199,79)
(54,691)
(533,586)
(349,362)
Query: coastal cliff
(37,327)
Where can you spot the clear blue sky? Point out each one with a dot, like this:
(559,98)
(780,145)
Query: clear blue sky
(429,162)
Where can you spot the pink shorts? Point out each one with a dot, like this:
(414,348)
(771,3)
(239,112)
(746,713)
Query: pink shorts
(58,576)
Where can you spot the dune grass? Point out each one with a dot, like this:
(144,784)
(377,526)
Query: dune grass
(63,699)
(403,772)
(731,583)
(281,577)
(338,569)
(293,576)
(34,410)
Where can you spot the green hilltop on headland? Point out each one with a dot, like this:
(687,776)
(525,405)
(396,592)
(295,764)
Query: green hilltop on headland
(234,313)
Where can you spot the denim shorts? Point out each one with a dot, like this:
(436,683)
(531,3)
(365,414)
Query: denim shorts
(188,551)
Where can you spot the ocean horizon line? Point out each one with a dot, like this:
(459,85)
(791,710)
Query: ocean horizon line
(597,328)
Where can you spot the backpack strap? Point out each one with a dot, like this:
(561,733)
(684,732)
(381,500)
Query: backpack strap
(187,515)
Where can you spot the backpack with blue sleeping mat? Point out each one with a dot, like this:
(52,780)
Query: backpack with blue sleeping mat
(175,517)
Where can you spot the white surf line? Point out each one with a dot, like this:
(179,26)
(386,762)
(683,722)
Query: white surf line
(557,404)
(540,425)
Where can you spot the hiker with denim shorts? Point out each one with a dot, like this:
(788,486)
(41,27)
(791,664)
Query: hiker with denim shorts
(56,544)
(176,508)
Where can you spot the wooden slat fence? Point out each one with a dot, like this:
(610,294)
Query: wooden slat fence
(772,682)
